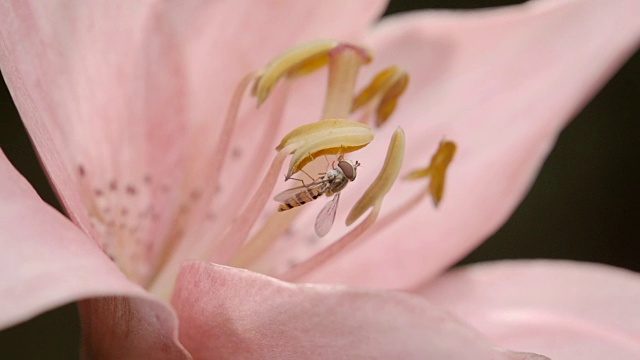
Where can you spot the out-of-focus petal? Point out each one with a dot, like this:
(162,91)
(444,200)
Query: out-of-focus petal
(46,262)
(124,100)
(229,313)
(499,83)
(129,329)
(566,310)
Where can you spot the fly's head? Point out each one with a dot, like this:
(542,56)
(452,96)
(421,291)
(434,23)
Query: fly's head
(348,168)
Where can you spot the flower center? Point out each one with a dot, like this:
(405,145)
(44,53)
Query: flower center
(328,136)
(379,99)
(248,233)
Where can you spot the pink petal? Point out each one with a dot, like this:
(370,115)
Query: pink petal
(500,83)
(124,101)
(129,328)
(566,310)
(48,262)
(229,313)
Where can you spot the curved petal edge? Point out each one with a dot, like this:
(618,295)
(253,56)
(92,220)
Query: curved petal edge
(564,309)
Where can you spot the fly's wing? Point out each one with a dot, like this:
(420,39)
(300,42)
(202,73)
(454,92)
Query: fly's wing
(327,215)
(289,193)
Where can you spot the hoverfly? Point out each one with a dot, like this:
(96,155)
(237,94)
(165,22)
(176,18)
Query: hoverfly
(331,183)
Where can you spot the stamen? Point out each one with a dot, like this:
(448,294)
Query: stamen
(372,198)
(442,157)
(383,93)
(310,141)
(325,137)
(175,249)
(344,136)
(302,59)
(224,139)
(301,269)
(344,64)
(437,169)
(331,136)
(259,243)
(172,248)
(239,230)
(260,157)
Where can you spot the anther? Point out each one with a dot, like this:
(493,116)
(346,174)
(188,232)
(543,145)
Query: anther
(325,137)
(299,60)
(373,196)
(382,93)
(436,170)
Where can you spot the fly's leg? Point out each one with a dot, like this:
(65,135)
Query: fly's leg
(315,167)
(292,178)
(302,181)
(328,164)
(340,157)
(340,154)
(306,173)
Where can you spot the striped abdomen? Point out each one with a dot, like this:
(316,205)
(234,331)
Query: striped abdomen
(301,198)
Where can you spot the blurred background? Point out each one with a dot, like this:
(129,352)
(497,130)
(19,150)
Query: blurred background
(583,206)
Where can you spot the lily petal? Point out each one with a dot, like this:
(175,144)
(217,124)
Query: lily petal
(232,313)
(129,328)
(47,262)
(566,310)
(500,83)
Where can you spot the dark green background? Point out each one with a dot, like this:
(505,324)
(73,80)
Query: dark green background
(583,206)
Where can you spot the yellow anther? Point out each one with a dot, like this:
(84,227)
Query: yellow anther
(301,59)
(315,62)
(339,144)
(383,93)
(325,137)
(372,198)
(437,170)
(325,127)
(309,65)
(381,80)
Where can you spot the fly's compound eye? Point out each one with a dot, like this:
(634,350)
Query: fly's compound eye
(348,169)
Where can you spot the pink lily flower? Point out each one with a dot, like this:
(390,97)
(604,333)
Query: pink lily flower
(126,104)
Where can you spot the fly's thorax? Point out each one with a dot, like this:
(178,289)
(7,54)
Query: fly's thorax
(332,174)
(338,182)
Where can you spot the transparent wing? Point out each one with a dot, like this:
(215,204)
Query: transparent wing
(327,215)
(289,193)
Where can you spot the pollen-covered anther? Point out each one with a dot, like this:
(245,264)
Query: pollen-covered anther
(382,93)
(437,170)
(373,196)
(325,137)
(302,60)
